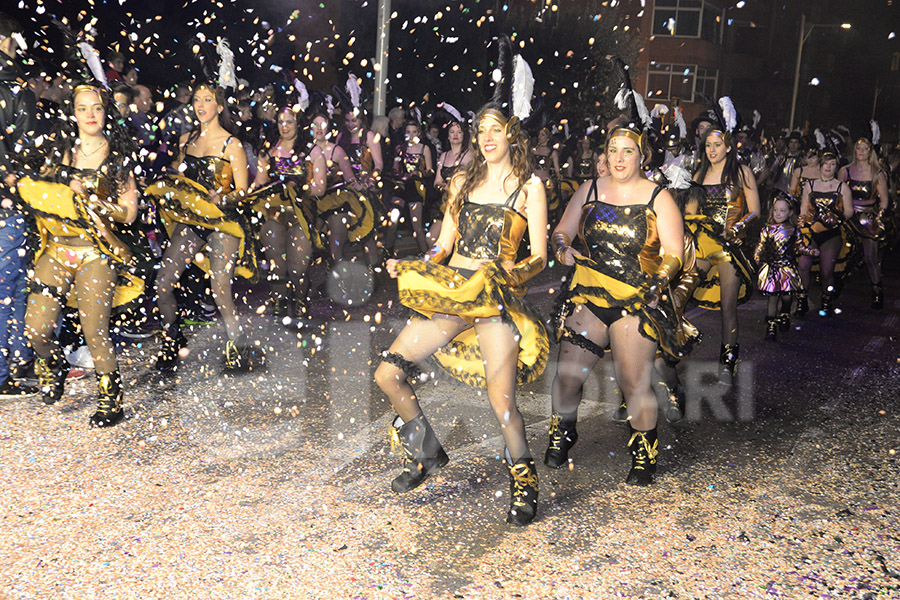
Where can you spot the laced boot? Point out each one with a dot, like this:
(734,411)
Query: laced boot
(300,312)
(784,321)
(523,491)
(423,454)
(109,400)
(562,437)
(827,307)
(242,356)
(802,305)
(621,413)
(728,360)
(877,296)
(771,329)
(644,447)
(675,403)
(172,341)
(280,304)
(51,373)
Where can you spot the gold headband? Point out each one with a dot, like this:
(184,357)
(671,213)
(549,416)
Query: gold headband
(87,87)
(726,136)
(512,125)
(637,138)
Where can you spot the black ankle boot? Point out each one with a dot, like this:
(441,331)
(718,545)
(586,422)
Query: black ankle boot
(771,329)
(171,342)
(784,321)
(423,454)
(562,437)
(728,361)
(802,305)
(675,403)
(827,307)
(877,296)
(300,313)
(621,413)
(51,373)
(523,492)
(109,400)
(241,356)
(644,448)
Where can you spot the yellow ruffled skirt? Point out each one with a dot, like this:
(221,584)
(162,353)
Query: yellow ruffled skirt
(429,288)
(711,247)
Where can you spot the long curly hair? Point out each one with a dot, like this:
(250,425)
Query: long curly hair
(476,171)
(302,143)
(52,157)
(225,118)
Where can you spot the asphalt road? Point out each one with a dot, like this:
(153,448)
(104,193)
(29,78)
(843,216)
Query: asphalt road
(277,484)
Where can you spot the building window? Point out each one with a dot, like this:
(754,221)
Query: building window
(687,18)
(668,81)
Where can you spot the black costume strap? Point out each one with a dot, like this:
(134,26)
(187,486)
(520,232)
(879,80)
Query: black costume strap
(407,366)
(37,287)
(656,192)
(511,201)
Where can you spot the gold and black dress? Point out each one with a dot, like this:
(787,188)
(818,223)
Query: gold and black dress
(623,252)
(184,199)
(61,213)
(825,221)
(283,197)
(340,198)
(776,254)
(585,169)
(864,222)
(409,184)
(490,232)
(720,209)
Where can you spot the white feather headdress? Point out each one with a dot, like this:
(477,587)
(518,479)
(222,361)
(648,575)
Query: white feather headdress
(302,94)
(354,90)
(522,88)
(820,138)
(728,112)
(227,76)
(659,111)
(876,131)
(452,110)
(679,120)
(92,58)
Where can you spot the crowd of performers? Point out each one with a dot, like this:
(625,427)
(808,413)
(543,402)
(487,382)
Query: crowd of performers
(646,216)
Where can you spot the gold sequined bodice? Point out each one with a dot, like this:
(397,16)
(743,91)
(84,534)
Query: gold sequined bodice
(723,205)
(863,193)
(490,231)
(826,205)
(622,240)
(781,244)
(212,172)
(289,168)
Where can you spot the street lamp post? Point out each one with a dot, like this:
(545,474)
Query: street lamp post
(804,35)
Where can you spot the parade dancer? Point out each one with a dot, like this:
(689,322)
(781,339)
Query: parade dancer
(868,186)
(718,220)
(205,207)
(780,245)
(289,212)
(413,166)
(475,322)
(825,208)
(83,197)
(458,155)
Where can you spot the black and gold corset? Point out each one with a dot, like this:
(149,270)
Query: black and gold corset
(863,192)
(723,205)
(826,206)
(585,168)
(360,155)
(447,172)
(212,172)
(289,168)
(94,181)
(413,162)
(490,231)
(622,240)
(541,161)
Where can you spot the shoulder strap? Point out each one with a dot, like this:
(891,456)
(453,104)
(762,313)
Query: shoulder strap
(511,201)
(225,145)
(656,192)
(592,193)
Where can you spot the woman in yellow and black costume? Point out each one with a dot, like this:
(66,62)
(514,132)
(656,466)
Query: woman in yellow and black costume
(472,316)
(619,298)
(344,210)
(413,169)
(826,207)
(83,198)
(205,207)
(718,219)
(288,179)
(867,181)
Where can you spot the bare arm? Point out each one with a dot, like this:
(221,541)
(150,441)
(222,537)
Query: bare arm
(343,162)
(882,190)
(847,201)
(751,192)
(669,225)
(262,170)
(375,149)
(567,228)
(429,163)
(438,180)
(316,184)
(804,202)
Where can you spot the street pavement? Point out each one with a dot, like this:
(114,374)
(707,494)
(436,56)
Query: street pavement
(276,484)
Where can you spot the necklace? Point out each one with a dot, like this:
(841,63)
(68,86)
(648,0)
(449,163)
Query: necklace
(92,152)
(826,180)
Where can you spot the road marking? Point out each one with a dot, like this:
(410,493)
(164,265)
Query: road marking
(874,344)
